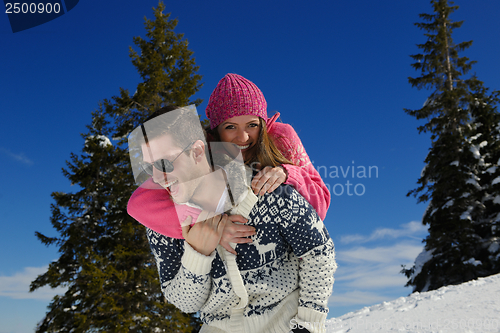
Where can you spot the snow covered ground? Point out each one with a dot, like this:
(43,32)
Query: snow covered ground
(472,307)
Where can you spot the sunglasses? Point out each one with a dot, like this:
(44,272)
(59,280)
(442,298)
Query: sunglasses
(162,165)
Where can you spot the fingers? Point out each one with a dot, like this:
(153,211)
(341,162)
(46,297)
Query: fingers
(223,229)
(235,227)
(260,179)
(270,186)
(268,180)
(219,222)
(228,247)
(216,223)
(187,221)
(236,232)
(205,235)
(237,235)
(237,218)
(243,239)
(185,231)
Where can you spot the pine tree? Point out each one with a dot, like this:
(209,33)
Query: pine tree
(453,178)
(167,68)
(485,140)
(105,262)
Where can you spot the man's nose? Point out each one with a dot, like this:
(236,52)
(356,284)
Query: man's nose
(159,177)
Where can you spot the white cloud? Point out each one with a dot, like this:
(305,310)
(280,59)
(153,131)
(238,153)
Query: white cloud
(380,254)
(374,268)
(373,278)
(17,286)
(355,297)
(410,229)
(18,157)
(371,274)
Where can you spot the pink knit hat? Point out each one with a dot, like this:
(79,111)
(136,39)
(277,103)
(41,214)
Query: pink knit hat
(235,96)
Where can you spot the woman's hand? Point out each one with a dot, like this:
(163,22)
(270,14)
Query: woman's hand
(268,179)
(236,232)
(205,235)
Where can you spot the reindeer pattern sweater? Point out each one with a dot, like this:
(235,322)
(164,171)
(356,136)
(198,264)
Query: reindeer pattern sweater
(285,273)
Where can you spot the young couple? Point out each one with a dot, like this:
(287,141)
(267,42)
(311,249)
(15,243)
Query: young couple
(278,280)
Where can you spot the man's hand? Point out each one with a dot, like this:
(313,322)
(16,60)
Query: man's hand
(268,179)
(236,232)
(205,235)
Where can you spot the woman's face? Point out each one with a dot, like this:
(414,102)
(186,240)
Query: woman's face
(243,131)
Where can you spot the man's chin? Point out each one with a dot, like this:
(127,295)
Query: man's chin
(178,199)
(179,202)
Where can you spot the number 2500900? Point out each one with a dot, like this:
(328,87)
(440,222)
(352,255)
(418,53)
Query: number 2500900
(32,8)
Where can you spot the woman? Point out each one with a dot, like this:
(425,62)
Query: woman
(237,111)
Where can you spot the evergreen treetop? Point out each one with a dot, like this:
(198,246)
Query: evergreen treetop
(442,69)
(105,259)
(167,68)
(454,180)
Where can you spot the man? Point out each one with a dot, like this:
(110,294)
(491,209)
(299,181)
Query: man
(280,281)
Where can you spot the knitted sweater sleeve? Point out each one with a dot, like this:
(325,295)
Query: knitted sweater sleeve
(184,272)
(309,239)
(152,206)
(301,175)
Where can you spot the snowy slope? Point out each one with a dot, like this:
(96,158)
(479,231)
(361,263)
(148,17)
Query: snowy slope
(472,307)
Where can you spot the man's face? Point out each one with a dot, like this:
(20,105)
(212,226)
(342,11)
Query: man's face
(183,181)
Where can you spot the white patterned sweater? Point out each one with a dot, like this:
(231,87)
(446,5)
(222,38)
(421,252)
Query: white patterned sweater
(284,276)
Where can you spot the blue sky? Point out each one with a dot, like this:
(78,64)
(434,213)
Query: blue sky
(336,70)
